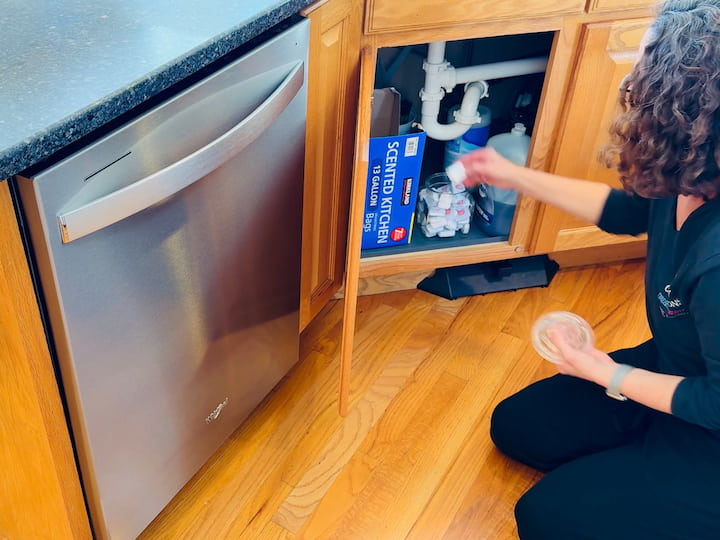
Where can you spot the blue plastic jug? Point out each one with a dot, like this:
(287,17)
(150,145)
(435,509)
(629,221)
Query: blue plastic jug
(495,207)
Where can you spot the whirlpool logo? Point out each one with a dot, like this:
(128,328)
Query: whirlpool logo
(213,415)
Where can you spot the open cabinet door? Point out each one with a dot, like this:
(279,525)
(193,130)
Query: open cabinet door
(332,106)
(368,58)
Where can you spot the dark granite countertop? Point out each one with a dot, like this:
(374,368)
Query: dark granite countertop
(69,67)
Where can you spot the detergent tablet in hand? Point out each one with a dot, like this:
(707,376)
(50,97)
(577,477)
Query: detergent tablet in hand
(574,328)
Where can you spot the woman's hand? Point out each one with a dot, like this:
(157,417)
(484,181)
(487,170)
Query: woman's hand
(486,166)
(586,363)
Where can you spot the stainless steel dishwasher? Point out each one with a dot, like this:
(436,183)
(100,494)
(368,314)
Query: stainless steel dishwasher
(169,259)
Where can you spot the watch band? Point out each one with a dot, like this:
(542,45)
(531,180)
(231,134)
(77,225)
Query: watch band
(616,379)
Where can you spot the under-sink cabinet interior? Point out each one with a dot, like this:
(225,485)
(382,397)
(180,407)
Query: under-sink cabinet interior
(507,101)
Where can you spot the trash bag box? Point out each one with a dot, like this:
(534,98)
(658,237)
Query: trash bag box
(393,177)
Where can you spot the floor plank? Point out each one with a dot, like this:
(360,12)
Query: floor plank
(413,458)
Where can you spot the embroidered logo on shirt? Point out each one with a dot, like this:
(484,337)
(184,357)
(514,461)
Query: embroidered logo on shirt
(670,307)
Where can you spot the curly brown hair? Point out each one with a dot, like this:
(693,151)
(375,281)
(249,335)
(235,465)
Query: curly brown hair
(667,142)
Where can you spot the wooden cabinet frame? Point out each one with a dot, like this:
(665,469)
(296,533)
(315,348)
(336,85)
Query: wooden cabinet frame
(383,16)
(40,485)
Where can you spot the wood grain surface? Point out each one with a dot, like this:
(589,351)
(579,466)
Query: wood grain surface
(412,458)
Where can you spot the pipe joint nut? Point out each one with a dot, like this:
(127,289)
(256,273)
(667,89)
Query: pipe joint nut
(431,96)
(468,120)
(435,68)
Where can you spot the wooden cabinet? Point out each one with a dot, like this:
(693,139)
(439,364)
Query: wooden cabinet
(607,52)
(591,52)
(41,494)
(332,100)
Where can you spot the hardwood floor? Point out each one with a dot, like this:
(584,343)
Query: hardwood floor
(412,459)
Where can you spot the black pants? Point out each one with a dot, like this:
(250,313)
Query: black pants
(617,470)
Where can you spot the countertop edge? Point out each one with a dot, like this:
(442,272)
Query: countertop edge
(56,137)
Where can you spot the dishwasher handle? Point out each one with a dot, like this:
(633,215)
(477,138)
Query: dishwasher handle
(160,185)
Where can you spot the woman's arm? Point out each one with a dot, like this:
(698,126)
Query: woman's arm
(654,390)
(697,398)
(581,198)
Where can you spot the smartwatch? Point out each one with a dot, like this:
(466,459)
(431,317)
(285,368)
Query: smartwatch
(616,379)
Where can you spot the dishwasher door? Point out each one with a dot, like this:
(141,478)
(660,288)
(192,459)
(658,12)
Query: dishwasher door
(169,261)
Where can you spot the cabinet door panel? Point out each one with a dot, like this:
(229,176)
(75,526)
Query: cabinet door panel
(607,53)
(386,15)
(332,102)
